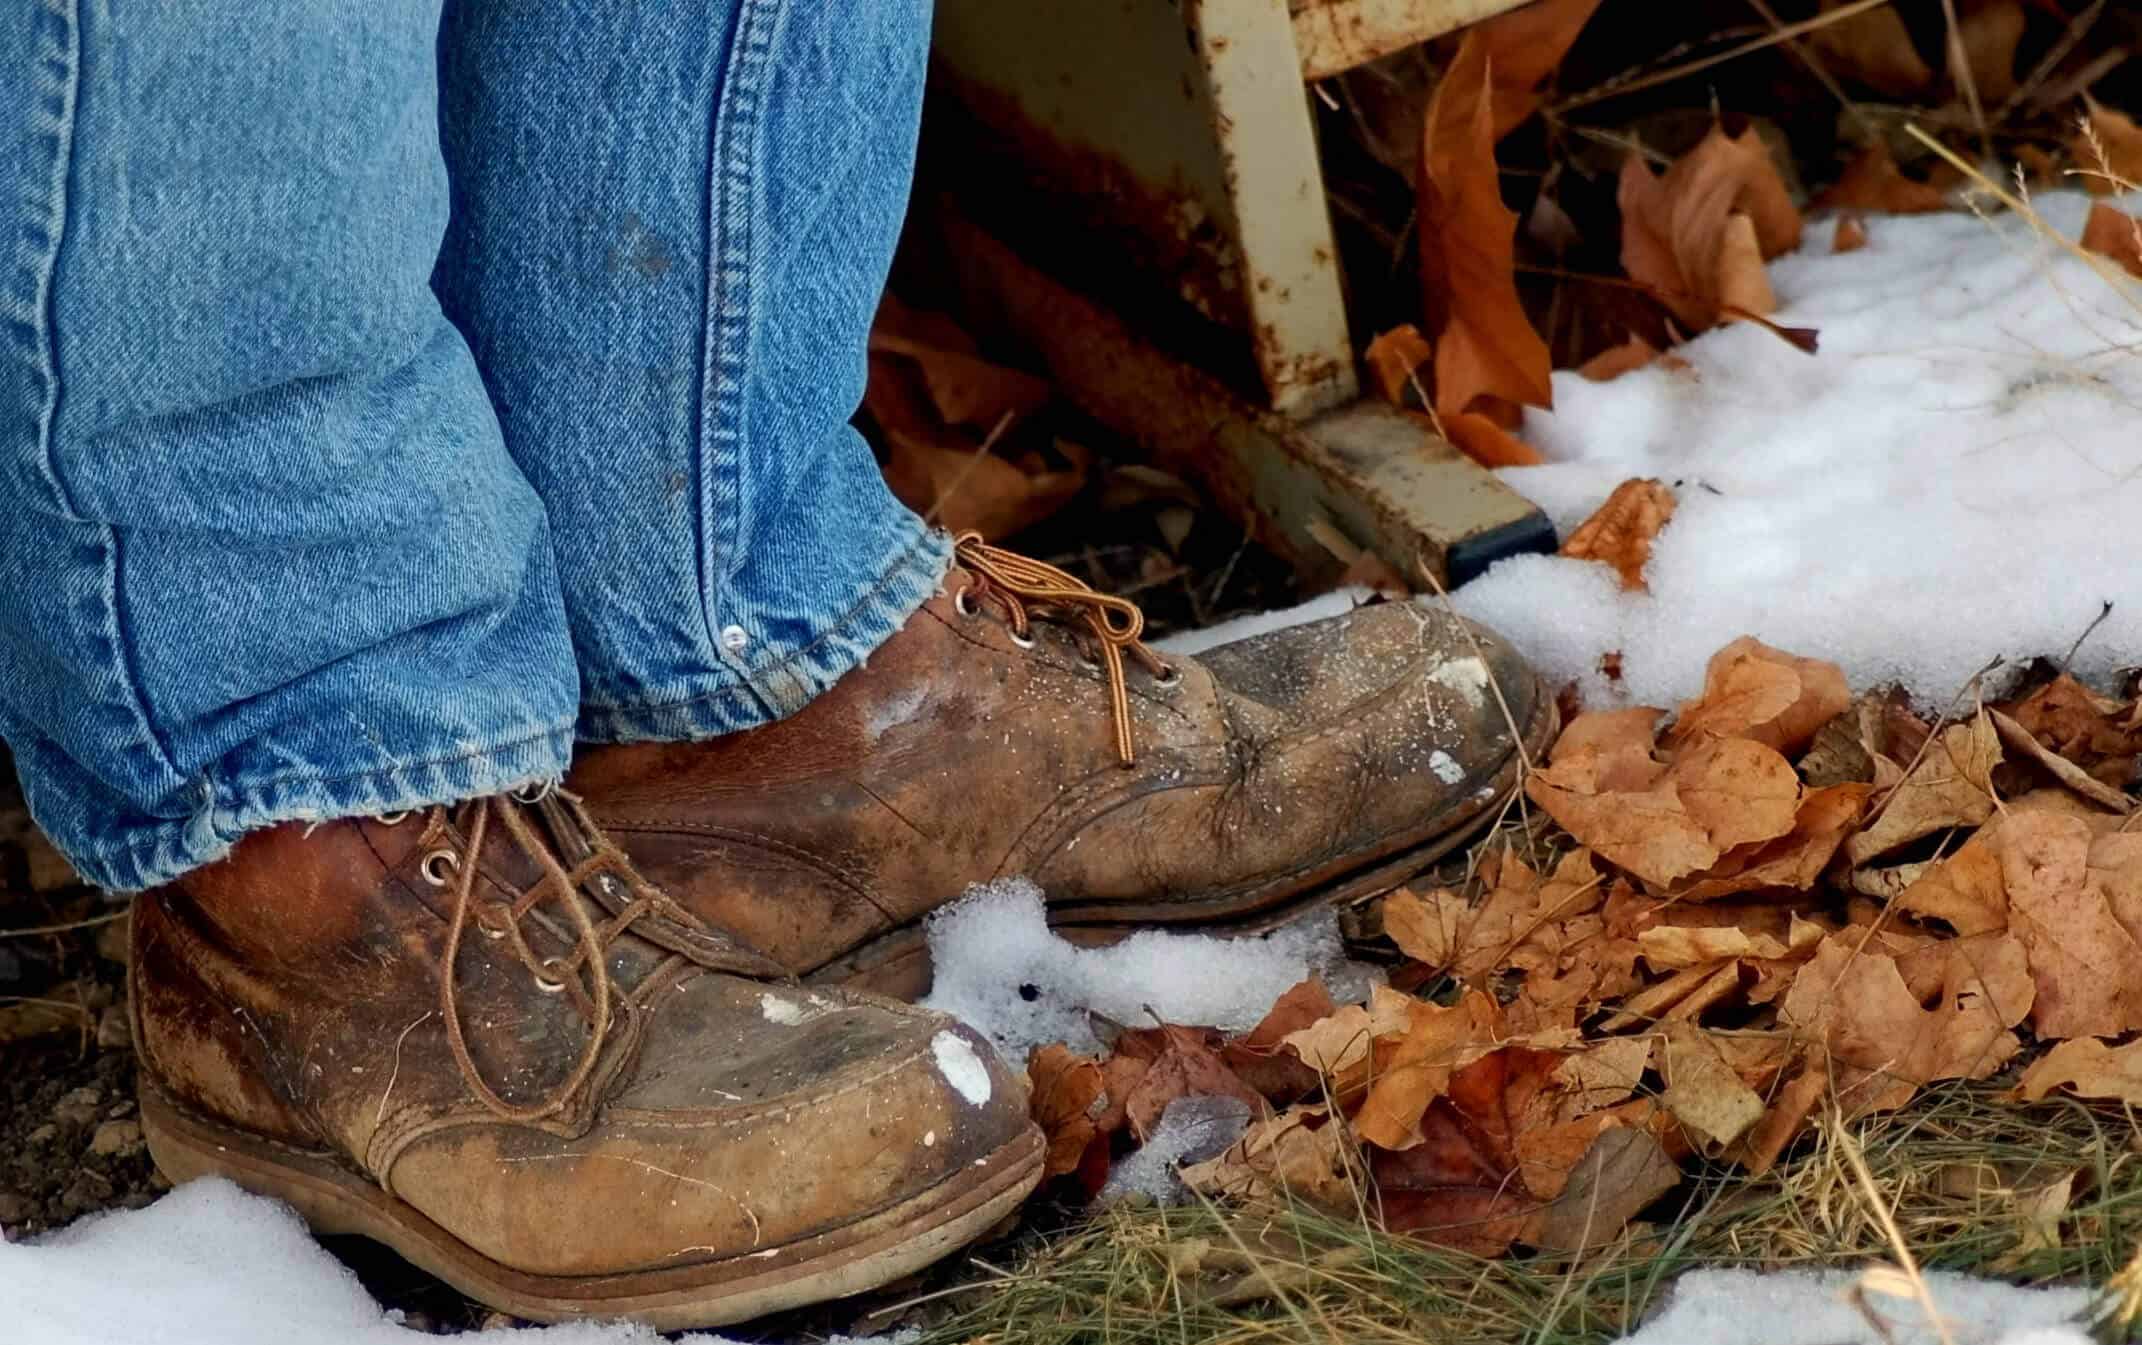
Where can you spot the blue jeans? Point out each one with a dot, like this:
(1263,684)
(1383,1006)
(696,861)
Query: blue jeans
(390,398)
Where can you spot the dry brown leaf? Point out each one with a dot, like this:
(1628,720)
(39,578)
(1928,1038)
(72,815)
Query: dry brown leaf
(1873,182)
(935,469)
(2095,732)
(1679,234)
(1703,1091)
(1632,354)
(1661,822)
(1855,1003)
(1395,360)
(1851,235)
(1987,34)
(2108,146)
(966,389)
(1187,1068)
(1622,1171)
(1951,786)
(1485,346)
(1619,532)
(1522,48)
(2086,1067)
(1520,921)
(1339,1047)
(1874,48)
(2065,771)
(1261,1059)
(2081,959)
(1489,444)
(1964,890)
(1794,860)
(1751,690)
(1439,1040)
(1304,1152)
(1066,1087)
(2114,234)
(1787,1113)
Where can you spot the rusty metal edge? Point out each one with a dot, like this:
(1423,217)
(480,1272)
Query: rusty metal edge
(1366,469)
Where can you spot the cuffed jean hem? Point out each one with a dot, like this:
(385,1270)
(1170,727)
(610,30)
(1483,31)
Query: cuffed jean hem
(158,854)
(728,702)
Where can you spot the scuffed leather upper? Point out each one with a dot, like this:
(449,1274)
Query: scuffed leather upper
(955,756)
(293,992)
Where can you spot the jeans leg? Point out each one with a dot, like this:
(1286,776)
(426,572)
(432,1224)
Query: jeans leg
(265,556)
(671,224)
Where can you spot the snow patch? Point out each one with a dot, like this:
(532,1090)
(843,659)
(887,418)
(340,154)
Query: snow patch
(786,1012)
(962,1068)
(1445,767)
(1000,970)
(902,707)
(1743,1307)
(1954,476)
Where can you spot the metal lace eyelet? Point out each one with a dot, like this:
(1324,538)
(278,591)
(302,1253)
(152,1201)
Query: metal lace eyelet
(489,930)
(1023,641)
(535,792)
(392,819)
(436,865)
(963,602)
(545,983)
(1168,678)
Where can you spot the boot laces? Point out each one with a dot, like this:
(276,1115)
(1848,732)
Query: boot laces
(584,975)
(1025,589)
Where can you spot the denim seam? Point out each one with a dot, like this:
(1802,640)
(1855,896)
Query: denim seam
(732,229)
(59,77)
(894,573)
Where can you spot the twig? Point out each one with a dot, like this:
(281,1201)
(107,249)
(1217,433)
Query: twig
(2054,55)
(2076,648)
(70,926)
(1960,67)
(989,442)
(1770,39)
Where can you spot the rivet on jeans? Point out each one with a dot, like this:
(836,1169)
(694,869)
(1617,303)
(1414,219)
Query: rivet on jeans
(734,638)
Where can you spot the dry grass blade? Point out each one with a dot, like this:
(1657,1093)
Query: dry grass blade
(1785,33)
(90,922)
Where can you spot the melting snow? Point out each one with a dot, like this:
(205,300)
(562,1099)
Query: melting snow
(1001,970)
(1742,1307)
(1955,476)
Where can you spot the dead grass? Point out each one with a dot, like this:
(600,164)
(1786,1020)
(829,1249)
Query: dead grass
(1973,1182)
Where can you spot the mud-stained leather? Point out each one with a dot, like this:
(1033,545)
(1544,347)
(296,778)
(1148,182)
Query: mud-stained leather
(292,992)
(955,756)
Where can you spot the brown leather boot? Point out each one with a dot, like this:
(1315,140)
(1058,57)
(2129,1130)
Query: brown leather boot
(484,1040)
(1016,725)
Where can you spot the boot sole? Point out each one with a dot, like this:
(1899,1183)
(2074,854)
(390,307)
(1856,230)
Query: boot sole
(897,964)
(848,1260)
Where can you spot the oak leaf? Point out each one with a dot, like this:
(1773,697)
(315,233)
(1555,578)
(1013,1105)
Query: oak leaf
(1620,531)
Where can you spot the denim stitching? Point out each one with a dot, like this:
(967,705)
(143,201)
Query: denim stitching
(59,77)
(731,213)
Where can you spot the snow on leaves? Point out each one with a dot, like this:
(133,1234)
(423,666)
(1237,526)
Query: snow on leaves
(1778,900)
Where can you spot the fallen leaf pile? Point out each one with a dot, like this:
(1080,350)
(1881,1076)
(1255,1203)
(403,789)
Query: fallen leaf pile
(1778,899)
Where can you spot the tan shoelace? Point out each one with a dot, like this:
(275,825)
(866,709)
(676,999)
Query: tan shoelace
(596,998)
(1016,583)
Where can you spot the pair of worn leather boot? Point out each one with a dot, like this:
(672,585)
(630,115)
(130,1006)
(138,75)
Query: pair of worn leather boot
(631,1047)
